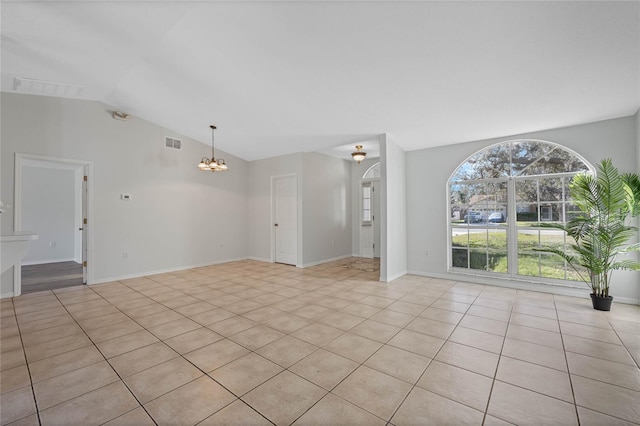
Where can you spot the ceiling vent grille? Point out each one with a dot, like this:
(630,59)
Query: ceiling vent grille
(49,88)
(172,143)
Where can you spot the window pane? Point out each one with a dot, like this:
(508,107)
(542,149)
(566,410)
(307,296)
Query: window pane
(529,264)
(366,204)
(497,239)
(478,259)
(459,258)
(498,262)
(526,213)
(366,215)
(550,189)
(551,212)
(478,238)
(459,237)
(527,190)
(366,192)
(526,154)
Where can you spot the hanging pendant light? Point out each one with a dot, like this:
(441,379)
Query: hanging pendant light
(212,164)
(359,154)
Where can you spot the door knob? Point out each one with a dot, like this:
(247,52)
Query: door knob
(275,224)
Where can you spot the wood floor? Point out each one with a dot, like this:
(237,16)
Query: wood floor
(51,276)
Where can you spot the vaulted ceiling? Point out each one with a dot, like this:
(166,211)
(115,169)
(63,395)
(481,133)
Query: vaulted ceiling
(283,77)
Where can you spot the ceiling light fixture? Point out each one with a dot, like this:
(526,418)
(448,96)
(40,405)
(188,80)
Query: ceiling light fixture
(359,154)
(212,164)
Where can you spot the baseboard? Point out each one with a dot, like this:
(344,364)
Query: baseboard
(163,271)
(521,285)
(320,262)
(258,259)
(6,295)
(45,262)
(394,277)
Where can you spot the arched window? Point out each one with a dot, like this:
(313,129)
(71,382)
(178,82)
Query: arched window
(372,172)
(498,195)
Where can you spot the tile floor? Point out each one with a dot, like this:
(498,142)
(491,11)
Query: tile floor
(250,343)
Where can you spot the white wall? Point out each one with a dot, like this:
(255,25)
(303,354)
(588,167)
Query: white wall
(178,216)
(324,210)
(428,171)
(259,218)
(326,206)
(49,210)
(393,206)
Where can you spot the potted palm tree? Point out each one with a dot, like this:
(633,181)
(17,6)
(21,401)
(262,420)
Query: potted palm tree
(601,229)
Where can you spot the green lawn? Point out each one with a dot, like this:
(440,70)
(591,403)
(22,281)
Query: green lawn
(530,262)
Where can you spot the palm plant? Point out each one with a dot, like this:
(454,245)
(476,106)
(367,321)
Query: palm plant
(601,230)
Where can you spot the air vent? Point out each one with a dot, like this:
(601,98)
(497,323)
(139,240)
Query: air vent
(42,87)
(172,143)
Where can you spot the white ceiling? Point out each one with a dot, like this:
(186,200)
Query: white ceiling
(283,77)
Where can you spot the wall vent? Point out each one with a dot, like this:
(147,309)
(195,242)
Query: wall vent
(172,143)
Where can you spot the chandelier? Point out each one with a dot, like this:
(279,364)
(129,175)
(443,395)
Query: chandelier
(359,154)
(212,164)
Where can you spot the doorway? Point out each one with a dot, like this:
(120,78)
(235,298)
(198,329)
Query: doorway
(52,200)
(284,200)
(370,213)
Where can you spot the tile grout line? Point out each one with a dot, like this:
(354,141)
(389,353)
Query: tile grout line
(495,373)
(24,353)
(104,358)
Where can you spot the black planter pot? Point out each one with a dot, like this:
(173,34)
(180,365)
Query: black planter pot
(601,303)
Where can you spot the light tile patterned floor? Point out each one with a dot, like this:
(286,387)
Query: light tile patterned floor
(251,343)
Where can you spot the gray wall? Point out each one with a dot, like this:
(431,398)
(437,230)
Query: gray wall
(178,216)
(428,171)
(324,206)
(393,209)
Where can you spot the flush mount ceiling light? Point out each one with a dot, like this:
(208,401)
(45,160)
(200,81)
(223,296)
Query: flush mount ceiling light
(359,154)
(212,164)
(119,115)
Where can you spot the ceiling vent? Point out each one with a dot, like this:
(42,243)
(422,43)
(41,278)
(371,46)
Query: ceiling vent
(48,88)
(172,143)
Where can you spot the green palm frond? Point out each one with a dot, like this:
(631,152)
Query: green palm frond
(600,230)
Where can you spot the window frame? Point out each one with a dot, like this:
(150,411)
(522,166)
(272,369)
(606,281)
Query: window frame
(511,224)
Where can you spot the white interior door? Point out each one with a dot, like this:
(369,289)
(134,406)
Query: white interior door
(285,214)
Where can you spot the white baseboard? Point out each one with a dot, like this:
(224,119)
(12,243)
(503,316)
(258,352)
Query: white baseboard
(163,271)
(395,276)
(320,262)
(521,285)
(259,259)
(44,262)
(6,295)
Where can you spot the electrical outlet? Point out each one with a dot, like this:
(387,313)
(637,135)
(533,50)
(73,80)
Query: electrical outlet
(52,244)
(125,255)
(426,252)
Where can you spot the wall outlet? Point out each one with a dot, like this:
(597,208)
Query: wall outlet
(52,244)
(125,255)
(426,252)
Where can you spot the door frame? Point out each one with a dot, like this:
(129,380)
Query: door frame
(87,167)
(298,219)
(374,222)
